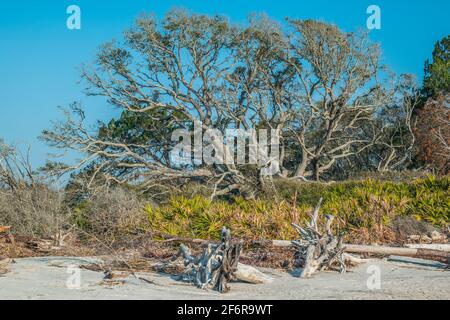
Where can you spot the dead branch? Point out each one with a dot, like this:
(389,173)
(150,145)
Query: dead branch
(318,250)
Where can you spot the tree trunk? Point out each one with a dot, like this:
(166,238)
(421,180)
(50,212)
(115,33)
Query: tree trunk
(316,172)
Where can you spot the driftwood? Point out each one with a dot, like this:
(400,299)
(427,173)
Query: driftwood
(214,268)
(250,274)
(318,250)
(428,254)
(218,265)
(435,252)
(352,260)
(432,246)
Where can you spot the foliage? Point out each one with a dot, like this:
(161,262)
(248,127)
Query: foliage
(437,72)
(364,210)
(433,133)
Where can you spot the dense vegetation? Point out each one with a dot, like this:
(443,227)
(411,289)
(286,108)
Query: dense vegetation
(364,209)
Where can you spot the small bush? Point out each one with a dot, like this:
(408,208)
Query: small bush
(35,211)
(111,216)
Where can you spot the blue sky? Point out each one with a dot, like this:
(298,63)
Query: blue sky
(40,57)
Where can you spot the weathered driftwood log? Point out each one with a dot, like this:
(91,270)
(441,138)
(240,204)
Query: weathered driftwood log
(250,274)
(218,265)
(428,254)
(434,252)
(352,260)
(432,246)
(317,250)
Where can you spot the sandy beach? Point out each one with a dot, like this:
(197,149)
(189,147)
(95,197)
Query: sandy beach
(400,278)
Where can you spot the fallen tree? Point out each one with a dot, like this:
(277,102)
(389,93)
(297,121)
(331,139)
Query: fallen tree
(435,252)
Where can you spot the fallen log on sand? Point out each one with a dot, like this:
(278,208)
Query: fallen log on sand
(428,254)
(219,264)
(432,246)
(250,274)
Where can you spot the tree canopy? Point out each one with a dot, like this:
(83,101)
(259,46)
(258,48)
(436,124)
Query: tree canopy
(322,91)
(437,72)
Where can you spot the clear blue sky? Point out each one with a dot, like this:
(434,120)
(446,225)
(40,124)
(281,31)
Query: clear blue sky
(40,57)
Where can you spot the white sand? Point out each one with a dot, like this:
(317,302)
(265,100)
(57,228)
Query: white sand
(45,278)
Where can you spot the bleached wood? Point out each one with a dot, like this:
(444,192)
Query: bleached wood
(429,254)
(355,260)
(250,274)
(432,246)
(215,266)
(317,250)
